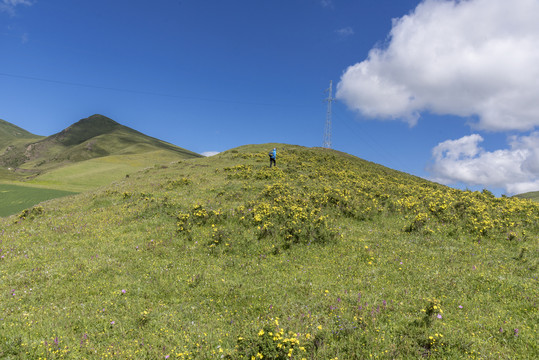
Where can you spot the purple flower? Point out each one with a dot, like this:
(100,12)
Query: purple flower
(123,291)
(112,322)
(516,332)
(460,306)
(439,316)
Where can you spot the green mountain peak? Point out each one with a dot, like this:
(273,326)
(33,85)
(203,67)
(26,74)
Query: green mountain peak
(85,129)
(95,137)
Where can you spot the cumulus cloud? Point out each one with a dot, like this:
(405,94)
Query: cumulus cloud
(10,5)
(474,58)
(515,169)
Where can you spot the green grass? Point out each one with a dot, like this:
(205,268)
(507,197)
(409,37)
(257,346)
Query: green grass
(93,173)
(15,198)
(10,133)
(13,143)
(326,256)
(91,153)
(534,195)
(8,175)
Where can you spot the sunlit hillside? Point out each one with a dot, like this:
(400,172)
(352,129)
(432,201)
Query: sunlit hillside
(91,153)
(13,139)
(534,195)
(94,137)
(326,256)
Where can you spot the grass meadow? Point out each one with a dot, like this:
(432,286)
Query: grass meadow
(93,173)
(15,198)
(324,257)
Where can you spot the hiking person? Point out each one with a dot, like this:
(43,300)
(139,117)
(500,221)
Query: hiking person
(273,156)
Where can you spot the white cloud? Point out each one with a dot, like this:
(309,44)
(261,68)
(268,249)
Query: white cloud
(515,169)
(209,153)
(346,31)
(10,5)
(474,58)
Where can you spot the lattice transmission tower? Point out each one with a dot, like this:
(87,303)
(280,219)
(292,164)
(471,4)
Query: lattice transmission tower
(327,129)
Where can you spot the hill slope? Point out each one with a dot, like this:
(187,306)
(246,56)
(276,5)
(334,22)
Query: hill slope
(13,141)
(90,153)
(534,195)
(93,137)
(326,256)
(10,132)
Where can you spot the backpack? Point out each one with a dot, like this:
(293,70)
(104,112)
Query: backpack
(271,154)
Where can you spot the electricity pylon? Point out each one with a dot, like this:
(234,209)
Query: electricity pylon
(327,130)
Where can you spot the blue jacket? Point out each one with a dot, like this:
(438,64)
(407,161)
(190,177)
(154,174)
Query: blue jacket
(273,154)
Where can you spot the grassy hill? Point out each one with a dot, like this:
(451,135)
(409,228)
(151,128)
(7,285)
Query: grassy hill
(11,133)
(13,142)
(534,195)
(94,137)
(90,153)
(326,256)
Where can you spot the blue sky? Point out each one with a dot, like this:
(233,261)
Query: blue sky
(445,90)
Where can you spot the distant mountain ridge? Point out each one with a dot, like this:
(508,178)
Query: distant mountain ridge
(98,125)
(92,137)
(97,136)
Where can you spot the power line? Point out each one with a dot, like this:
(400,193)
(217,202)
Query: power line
(141,92)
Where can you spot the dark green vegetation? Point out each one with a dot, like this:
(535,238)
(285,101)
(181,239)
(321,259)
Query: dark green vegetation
(16,198)
(326,256)
(90,153)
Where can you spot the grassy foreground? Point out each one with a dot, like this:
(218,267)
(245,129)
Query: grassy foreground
(325,257)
